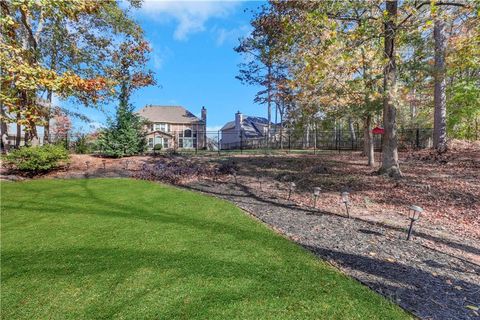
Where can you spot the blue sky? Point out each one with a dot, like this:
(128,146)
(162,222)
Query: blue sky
(193,59)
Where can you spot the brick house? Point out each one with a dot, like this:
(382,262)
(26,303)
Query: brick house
(174,127)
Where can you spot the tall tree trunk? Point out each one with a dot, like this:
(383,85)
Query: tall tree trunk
(413,105)
(281,128)
(390,164)
(439,97)
(269,101)
(368,138)
(3,129)
(307,137)
(18,138)
(352,130)
(48,111)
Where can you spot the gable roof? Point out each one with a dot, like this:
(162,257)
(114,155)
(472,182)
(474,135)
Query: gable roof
(169,114)
(228,125)
(249,125)
(260,120)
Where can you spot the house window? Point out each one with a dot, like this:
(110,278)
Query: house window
(165,143)
(158,140)
(187,133)
(164,127)
(150,142)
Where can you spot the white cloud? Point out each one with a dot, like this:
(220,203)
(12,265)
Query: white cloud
(160,54)
(231,35)
(157,61)
(191,16)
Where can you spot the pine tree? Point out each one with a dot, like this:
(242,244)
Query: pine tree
(125,135)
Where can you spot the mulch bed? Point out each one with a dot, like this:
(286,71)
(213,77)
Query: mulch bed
(427,282)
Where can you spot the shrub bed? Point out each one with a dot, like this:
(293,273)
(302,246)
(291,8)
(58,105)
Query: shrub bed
(38,159)
(175,170)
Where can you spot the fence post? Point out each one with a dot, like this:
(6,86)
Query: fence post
(337,144)
(417,138)
(196,143)
(241,142)
(218,142)
(289,140)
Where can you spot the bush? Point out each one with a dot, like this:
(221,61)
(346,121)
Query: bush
(157,147)
(38,159)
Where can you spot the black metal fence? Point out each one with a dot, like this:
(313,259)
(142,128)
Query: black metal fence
(315,140)
(306,140)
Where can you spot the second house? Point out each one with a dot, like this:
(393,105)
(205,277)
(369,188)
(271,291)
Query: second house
(172,127)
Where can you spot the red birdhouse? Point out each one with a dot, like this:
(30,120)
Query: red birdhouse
(378,130)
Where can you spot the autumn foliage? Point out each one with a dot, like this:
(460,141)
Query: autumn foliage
(57,47)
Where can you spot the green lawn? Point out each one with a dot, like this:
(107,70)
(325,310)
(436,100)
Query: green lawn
(119,248)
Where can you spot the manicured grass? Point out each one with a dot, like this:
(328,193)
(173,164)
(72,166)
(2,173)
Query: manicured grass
(119,248)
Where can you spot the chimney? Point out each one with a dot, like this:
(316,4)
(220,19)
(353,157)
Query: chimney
(238,120)
(204,115)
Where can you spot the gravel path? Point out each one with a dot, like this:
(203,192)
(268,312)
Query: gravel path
(430,284)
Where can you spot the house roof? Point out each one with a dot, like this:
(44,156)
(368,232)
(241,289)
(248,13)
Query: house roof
(249,126)
(169,114)
(228,125)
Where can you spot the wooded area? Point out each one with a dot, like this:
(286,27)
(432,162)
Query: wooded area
(410,63)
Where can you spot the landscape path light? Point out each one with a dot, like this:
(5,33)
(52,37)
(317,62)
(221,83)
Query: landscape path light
(104,163)
(291,189)
(234,174)
(126,164)
(259,182)
(346,201)
(87,164)
(414,214)
(316,194)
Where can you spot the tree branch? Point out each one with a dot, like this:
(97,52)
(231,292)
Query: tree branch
(440,3)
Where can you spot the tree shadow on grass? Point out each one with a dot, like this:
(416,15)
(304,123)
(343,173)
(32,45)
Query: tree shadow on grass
(429,296)
(67,203)
(81,264)
(246,192)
